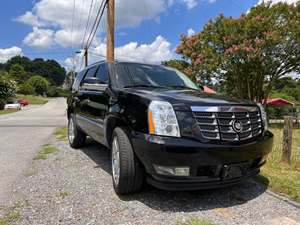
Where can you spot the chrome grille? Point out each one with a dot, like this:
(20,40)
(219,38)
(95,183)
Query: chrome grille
(217,123)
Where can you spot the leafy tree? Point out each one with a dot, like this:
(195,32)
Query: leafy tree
(18,73)
(181,65)
(8,88)
(247,54)
(26,89)
(49,69)
(39,84)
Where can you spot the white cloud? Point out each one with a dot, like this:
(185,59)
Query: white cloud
(190,3)
(190,32)
(29,18)
(7,53)
(155,52)
(40,38)
(56,18)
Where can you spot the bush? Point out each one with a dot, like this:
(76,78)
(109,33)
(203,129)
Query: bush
(57,92)
(39,84)
(26,89)
(8,89)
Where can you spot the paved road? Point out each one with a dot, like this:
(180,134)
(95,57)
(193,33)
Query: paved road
(21,135)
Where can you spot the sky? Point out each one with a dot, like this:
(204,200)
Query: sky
(146,30)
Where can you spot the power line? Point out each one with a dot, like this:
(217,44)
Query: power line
(96,23)
(73,17)
(88,22)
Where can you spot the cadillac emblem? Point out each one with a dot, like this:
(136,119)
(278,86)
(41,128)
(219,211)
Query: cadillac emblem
(237,126)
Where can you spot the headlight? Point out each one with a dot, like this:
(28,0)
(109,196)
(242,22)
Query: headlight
(263,116)
(162,119)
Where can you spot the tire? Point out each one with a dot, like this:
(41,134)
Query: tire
(128,179)
(76,136)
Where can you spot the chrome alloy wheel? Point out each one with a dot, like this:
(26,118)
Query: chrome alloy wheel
(71,130)
(115,161)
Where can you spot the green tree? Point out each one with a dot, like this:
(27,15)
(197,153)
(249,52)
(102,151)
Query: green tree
(18,73)
(248,54)
(26,89)
(49,69)
(8,89)
(39,84)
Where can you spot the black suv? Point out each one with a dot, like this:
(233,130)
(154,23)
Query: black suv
(162,128)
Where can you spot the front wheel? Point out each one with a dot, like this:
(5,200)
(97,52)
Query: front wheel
(76,136)
(127,172)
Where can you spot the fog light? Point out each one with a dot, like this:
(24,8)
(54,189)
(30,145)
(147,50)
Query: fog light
(172,171)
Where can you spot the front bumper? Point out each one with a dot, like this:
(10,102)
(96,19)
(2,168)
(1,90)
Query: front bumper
(209,163)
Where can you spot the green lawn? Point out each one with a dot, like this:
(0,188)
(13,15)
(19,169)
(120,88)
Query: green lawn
(6,111)
(282,178)
(34,100)
(195,221)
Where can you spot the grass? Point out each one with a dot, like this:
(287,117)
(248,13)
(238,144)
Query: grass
(34,100)
(45,151)
(29,172)
(196,221)
(12,215)
(63,194)
(280,177)
(7,111)
(61,133)
(10,218)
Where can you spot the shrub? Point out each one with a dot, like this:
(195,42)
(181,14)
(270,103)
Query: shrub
(26,89)
(8,89)
(39,84)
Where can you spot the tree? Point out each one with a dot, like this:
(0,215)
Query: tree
(39,84)
(26,89)
(49,69)
(8,88)
(18,73)
(247,54)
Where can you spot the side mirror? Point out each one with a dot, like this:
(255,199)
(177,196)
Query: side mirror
(93,84)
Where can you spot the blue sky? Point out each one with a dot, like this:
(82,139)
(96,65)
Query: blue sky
(146,29)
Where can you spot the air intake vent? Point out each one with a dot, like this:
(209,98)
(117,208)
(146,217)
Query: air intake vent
(234,123)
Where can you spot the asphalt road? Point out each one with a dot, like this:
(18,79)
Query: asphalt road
(21,135)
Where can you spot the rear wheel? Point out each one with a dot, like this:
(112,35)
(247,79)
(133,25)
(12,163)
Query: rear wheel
(127,172)
(76,136)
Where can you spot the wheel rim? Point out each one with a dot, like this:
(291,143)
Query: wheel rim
(71,131)
(115,160)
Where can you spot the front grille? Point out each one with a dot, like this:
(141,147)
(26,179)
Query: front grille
(228,123)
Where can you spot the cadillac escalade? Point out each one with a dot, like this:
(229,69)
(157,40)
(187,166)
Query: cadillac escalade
(163,129)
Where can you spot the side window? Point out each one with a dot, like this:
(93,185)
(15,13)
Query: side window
(78,80)
(91,72)
(102,73)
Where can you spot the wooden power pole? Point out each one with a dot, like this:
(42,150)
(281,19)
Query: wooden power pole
(110,54)
(85,57)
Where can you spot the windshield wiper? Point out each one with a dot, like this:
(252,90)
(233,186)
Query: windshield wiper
(184,87)
(143,85)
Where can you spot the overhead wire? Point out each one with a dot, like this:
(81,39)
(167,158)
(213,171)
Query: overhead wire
(87,23)
(96,23)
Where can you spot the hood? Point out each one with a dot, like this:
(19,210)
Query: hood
(183,99)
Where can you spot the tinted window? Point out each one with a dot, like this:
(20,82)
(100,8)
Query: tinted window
(91,72)
(78,80)
(131,74)
(102,73)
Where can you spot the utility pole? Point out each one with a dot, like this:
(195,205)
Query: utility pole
(110,54)
(85,57)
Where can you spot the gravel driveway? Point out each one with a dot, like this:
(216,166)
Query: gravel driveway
(74,187)
(21,135)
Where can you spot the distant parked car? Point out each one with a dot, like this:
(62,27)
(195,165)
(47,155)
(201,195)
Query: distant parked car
(23,102)
(13,105)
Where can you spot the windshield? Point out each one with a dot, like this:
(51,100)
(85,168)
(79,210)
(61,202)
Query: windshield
(134,75)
